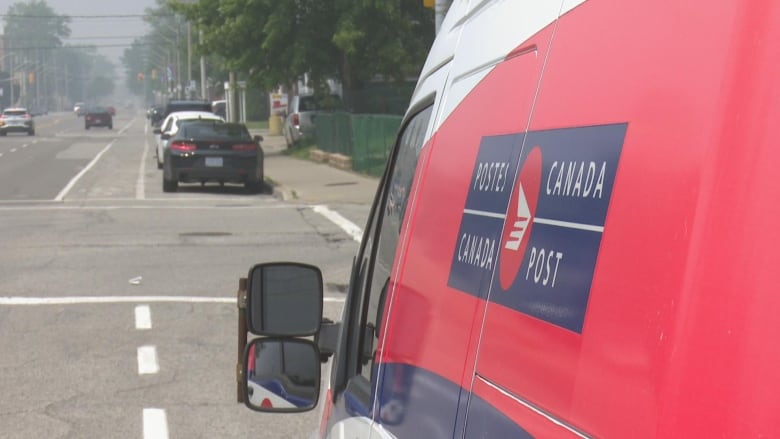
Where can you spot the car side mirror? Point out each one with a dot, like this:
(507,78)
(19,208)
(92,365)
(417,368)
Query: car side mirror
(258,138)
(165,136)
(282,375)
(284,299)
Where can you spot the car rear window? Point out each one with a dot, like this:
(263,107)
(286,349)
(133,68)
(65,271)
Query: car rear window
(14,113)
(187,106)
(180,122)
(312,103)
(215,131)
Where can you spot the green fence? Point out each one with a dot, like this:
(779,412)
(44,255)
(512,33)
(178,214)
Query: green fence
(367,138)
(334,132)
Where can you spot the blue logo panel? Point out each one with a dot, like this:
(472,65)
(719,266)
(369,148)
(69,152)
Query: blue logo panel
(537,229)
(479,236)
(554,279)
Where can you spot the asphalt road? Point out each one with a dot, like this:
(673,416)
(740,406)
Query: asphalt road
(117,301)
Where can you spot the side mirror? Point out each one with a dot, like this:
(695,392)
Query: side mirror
(165,136)
(282,375)
(258,138)
(156,131)
(284,299)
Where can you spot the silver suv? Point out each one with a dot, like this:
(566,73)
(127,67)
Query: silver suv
(303,110)
(14,120)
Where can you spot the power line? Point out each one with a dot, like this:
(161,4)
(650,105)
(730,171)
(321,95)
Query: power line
(84,46)
(36,16)
(126,37)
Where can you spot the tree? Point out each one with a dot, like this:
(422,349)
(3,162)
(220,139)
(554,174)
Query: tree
(152,55)
(278,42)
(33,31)
(34,25)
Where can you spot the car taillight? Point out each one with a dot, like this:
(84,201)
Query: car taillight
(183,146)
(27,116)
(244,147)
(296,119)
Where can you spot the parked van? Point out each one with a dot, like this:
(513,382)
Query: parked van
(582,239)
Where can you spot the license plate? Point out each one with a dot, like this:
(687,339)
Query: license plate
(214,162)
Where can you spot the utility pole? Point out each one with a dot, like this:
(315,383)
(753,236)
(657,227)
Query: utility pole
(440,8)
(189,59)
(203,86)
(13,77)
(232,110)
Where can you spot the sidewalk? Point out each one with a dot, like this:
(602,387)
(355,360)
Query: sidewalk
(295,179)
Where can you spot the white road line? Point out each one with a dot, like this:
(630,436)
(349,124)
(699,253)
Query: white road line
(49,205)
(25,146)
(13,150)
(155,424)
(140,189)
(143,317)
(122,131)
(348,226)
(147,360)
(78,176)
(570,225)
(87,300)
(484,213)
(549,222)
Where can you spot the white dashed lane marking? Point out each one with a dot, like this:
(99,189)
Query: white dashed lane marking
(143,317)
(155,424)
(147,360)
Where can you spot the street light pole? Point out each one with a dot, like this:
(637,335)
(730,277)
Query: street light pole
(203,85)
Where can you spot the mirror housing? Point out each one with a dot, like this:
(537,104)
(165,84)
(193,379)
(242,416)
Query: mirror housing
(257,138)
(165,136)
(284,299)
(282,375)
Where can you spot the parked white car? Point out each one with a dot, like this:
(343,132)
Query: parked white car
(171,125)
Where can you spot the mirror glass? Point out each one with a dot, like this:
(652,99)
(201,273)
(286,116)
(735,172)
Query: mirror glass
(284,299)
(282,375)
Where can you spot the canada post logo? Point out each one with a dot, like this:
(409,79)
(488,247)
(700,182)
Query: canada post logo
(534,216)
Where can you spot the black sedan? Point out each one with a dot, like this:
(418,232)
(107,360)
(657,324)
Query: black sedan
(98,117)
(207,151)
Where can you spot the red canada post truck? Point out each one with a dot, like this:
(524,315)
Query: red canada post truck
(576,236)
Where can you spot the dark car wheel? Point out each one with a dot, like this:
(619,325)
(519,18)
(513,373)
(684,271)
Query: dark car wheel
(31,133)
(86,127)
(110,127)
(170,185)
(253,187)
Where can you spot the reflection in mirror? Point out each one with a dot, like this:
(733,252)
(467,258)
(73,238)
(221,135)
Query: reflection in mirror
(282,375)
(284,299)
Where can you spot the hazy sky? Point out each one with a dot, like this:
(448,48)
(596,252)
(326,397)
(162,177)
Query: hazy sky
(99,31)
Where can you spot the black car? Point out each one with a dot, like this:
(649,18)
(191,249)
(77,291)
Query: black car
(206,151)
(98,117)
(155,115)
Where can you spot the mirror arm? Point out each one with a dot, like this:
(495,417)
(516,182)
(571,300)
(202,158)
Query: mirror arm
(327,338)
(242,338)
